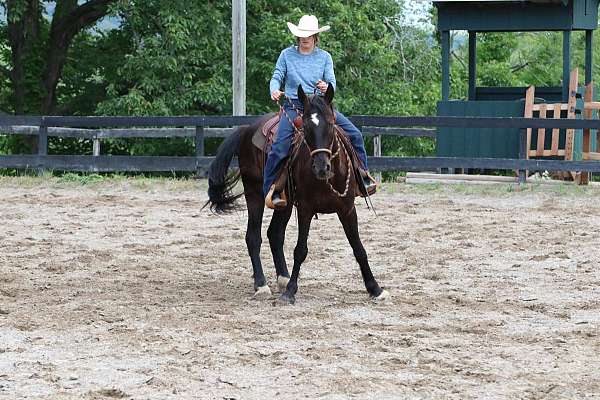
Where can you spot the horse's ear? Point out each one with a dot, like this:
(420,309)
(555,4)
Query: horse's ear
(329,93)
(303,98)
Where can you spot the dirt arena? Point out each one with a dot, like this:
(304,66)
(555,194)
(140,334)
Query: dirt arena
(125,289)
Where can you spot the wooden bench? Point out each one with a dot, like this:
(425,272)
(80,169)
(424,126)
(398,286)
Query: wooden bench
(556,111)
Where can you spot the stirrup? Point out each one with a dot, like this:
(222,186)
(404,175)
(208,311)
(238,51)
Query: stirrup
(279,203)
(369,183)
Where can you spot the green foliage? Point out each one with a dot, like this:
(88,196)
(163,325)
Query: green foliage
(179,60)
(381,66)
(157,147)
(13,144)
(33,65)
(90,67)
(517,59)
(82,179)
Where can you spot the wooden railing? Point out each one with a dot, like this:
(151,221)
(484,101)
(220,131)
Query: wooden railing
(201,127)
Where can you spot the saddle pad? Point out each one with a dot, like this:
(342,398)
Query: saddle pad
(265,134)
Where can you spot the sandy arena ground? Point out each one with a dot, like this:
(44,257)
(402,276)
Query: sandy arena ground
(125,289)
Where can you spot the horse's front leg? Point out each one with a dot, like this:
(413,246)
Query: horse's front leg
(300,252)
(350,223)
(254,202)
(276,235)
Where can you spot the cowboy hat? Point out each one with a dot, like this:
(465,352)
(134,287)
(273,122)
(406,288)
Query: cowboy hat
(307,26)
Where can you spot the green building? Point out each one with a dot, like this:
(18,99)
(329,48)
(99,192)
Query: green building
(505,16)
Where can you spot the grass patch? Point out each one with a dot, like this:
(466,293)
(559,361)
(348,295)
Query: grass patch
(94,180)
(81,179)
(143,182)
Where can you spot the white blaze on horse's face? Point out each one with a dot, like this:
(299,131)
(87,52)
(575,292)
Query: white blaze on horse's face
(314,119)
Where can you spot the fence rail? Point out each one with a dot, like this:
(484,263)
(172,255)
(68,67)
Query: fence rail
(105,133)
(201,127)
(192,164)
(360,120)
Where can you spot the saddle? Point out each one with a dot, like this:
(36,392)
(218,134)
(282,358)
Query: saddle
(266,133)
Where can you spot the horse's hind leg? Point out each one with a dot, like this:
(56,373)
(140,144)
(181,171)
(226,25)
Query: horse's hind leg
(255,206)
(350,223)
(276,235)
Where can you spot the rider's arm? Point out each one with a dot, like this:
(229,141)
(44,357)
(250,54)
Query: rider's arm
(278,74)
(329,75)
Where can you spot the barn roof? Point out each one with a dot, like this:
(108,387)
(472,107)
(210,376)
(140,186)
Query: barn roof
(517,15)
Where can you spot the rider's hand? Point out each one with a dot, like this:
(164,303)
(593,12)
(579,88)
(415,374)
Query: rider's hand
(276,95)
(322,86)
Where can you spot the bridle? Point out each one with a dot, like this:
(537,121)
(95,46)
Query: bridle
(328,151)
(299,131)
(299,139)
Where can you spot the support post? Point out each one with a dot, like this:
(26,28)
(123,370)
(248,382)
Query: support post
(96,147)
(377,153)
(199,142)
(566,65)
(522,173)
(589,97)
(472,65)
(588,56)
(445,65)
(238,33)
(445,37)
(586,177)
(42,144)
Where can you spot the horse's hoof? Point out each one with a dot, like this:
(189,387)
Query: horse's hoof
(287,299)
(262,293)
(383,296)
(282,282)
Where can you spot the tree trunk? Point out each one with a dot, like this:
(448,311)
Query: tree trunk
(23,31)
(69,19)
(23,20)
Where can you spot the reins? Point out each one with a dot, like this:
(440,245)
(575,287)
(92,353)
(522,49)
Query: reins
(348,162)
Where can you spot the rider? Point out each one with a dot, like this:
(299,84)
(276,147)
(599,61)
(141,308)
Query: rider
(307,65)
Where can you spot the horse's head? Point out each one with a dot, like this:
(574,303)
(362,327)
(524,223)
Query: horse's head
(319,121)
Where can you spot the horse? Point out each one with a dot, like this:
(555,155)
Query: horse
(321,174)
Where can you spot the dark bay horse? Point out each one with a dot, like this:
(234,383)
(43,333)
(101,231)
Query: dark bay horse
(323,181)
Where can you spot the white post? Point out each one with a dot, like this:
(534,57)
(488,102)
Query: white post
(377,152)
(238,36)
(96,147)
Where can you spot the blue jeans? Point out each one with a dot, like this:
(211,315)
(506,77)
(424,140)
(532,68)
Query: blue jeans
(281,147)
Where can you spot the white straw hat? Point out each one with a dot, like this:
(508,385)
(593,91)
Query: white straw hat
(307,26)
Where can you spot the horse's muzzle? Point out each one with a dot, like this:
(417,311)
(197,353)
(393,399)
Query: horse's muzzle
(322,170)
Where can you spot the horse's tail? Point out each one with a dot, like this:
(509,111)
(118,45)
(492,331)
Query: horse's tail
(221,183)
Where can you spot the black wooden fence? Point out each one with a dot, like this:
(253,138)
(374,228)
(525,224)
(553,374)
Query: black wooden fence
(200,127)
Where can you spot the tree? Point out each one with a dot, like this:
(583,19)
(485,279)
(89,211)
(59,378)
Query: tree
(39,48)
(181,56)
(174,58)
(180,59)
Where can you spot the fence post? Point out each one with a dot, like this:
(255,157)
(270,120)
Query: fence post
(96,147)
(522,155)
(42,145)
(199,142)
(377,153)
